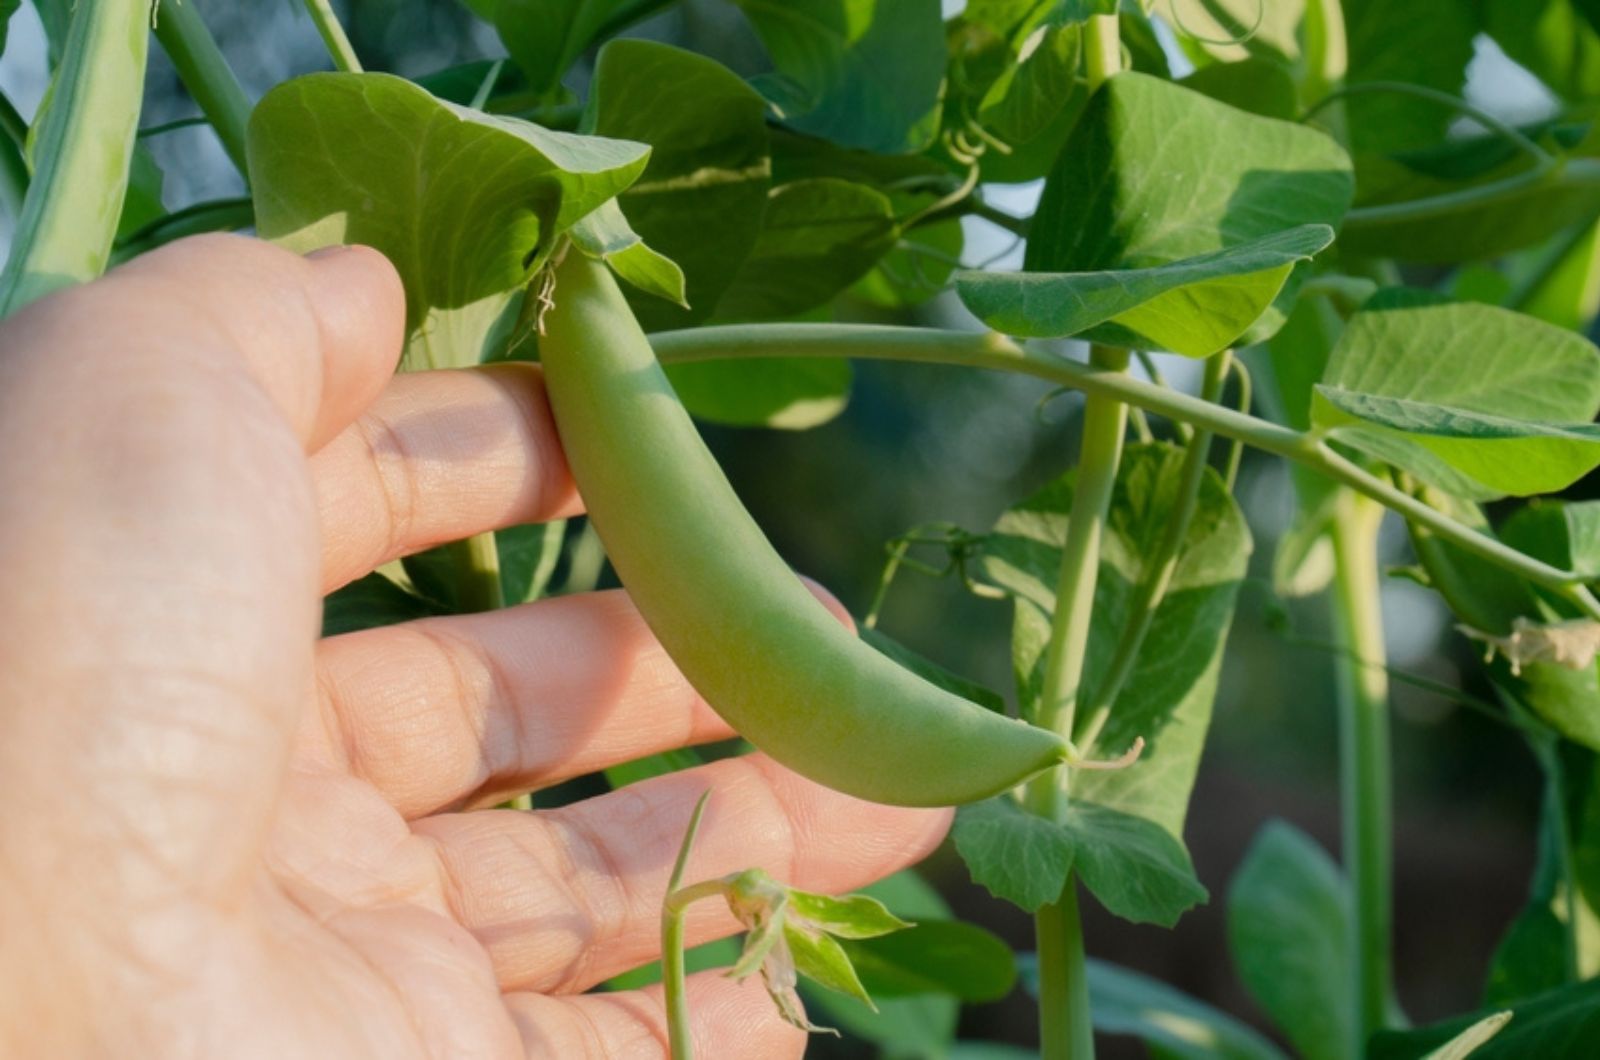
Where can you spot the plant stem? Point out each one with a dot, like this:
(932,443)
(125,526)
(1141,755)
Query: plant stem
(1567,173)
(998,353)
(1066,1027)
(223,215)
(680,1040)
(206,74)
(1102,49)
(333,36)
(477,564)
(1162,564)
(85,146)
(1364,773)
(1065,1030)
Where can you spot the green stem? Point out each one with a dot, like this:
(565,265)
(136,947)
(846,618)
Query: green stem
(223,215)
(1568,173)
(85,147)
(477,565)
(1162,564)
(673,973)
(1066,1026)
(1364,774)
(1102,54)
(333,36)
(206,74)
(998,353)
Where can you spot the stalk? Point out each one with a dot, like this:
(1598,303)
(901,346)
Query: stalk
(1364,773)
(85,146)
(206,74)
(998,353)
(679,1039)
(1066,1027)
(333,36)
(1162,566)
(477,564)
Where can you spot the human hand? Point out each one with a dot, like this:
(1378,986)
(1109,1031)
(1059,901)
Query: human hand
(223,837)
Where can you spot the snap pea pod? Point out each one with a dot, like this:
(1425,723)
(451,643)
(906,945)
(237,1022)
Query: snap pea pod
(744,630)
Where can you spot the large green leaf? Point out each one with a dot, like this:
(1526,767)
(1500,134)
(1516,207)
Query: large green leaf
(1261,86)
(370,602)
(701,199)
(1135,867)
(865,73)
(1418,42)
(1563,1024)
(463,203)
(1197,306)
(1288,920)
(820,235)
(1167,698)
(1173,1024)
(1017,856)
(935,957)
(1476,400)
(546,36)
(1145,180)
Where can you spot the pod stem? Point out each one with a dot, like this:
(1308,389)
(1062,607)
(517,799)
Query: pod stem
(998,353)
(84,149)
(1364,771)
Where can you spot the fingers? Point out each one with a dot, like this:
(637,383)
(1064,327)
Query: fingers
(468,709)
(725,1019)
(564,899)
(161,576)
(438,457)
(321,334)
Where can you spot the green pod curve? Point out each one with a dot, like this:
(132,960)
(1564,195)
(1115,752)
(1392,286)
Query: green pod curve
(745,631)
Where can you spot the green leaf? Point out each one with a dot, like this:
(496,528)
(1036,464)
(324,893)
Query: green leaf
(821,959)
(1568,296)
(1261,86)
(854,916)
(528,556)
(463,203)
(651,766)
(1136,868)
(1463,395)
(1017,856)
(1234,30)
(820,236)
(1419,42)
(1173,1023)
(936,957)
(1197,306)
(370,602)
(902,1026)
(864,73)
(1288,923)
(916,270)
(1038,85)
(932,672)
(1167,699)
(1551,39)
(1435,215)
(1563,1024)
(545,37)
(606,234)
(787,393)
(1543,947)
(701,199)
(1141,182)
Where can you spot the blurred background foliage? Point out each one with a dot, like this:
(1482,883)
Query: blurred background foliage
(918,445)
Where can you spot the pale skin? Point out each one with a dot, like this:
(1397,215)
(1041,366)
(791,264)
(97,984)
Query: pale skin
(224,837)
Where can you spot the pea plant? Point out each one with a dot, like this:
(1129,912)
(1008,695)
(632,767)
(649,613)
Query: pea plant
(1382,285)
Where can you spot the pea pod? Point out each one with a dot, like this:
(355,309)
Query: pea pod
(764,653)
